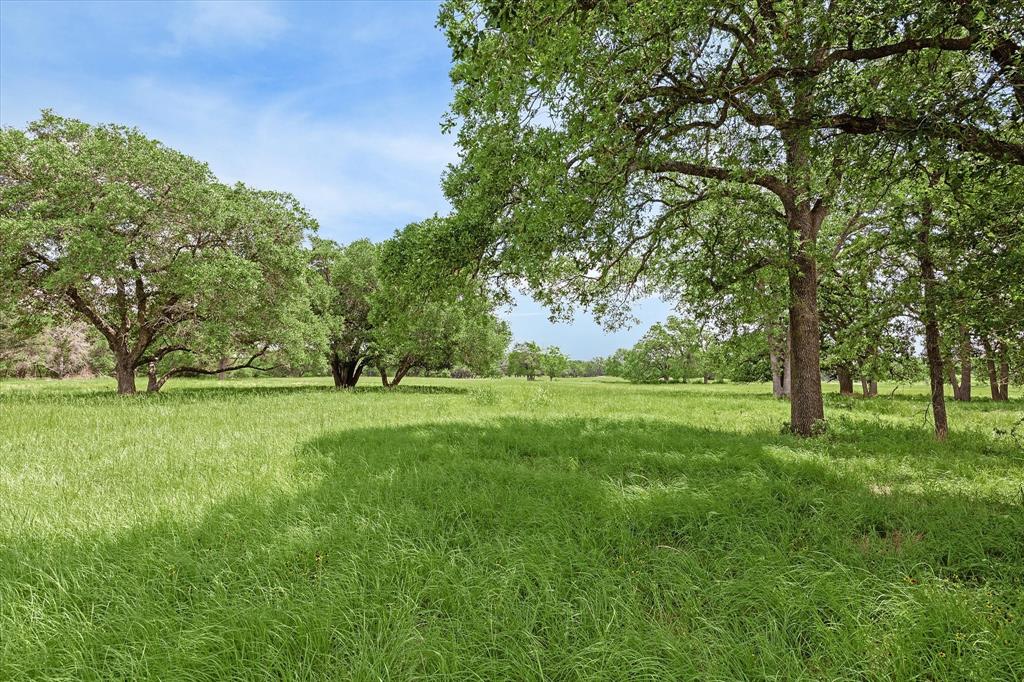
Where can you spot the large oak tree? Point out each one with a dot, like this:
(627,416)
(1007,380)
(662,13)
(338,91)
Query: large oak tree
(175,270)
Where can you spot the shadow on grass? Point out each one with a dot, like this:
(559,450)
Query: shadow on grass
(214,392)
(982,402)
(563,548)
(245,391)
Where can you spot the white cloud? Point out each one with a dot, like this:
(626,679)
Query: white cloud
(358,178)
(216,23)
(350,176)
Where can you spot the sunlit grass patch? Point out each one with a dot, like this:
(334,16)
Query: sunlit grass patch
(500,530)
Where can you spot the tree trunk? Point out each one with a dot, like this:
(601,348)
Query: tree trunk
(933,352)
(993,380)
(804,216)
(339,380)
(1004,371)
(932,343)
(153,381)
(966,366)
(868,387)
(990,365)
(400,374)
(951,373)
(845,380)
(124,369)
(803,362)
(345,372)
(350,373)
(776,364)
(222,375)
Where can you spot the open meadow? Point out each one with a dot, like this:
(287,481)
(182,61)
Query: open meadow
(503,529)
(640,341)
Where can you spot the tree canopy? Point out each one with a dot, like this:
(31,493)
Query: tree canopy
(173,268)
(591,131)
(524,360)
(382,311)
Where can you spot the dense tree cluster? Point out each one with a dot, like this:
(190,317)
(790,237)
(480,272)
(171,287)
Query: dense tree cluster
(58,351)
(676,350)
(107,234)
(843,178)
(528,359)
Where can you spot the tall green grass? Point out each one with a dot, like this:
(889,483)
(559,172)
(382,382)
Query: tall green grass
(499,529)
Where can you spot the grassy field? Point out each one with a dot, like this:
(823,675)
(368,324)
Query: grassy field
(499,529)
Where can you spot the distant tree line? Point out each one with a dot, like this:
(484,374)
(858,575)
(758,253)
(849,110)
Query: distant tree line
(57,351)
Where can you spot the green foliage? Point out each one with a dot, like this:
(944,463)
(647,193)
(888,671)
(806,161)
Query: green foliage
(595,367)
(524,360)
(673,351)
(345,281)
(615,364)
(141,242)
(589,139)
(743,357)
(612,150)
(553,362)
(384,310)
(431,326)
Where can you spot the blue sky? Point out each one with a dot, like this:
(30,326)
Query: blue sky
(337,103)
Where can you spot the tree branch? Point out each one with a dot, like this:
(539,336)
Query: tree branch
(768,181)
(968,138)
(902,47)
(248,364)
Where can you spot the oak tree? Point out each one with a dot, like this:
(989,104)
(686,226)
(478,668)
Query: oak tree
(142,243)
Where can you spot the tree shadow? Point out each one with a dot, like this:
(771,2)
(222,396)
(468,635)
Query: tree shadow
(365,386)
(978,402)
(571,547)
(711,389)
(215,392)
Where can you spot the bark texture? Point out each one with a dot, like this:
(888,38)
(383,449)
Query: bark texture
(403,368)
(1004,371)
(932,342)
(845,380)
(153,382)
(125,372)
(804,361)
(346,372)
(994,380)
